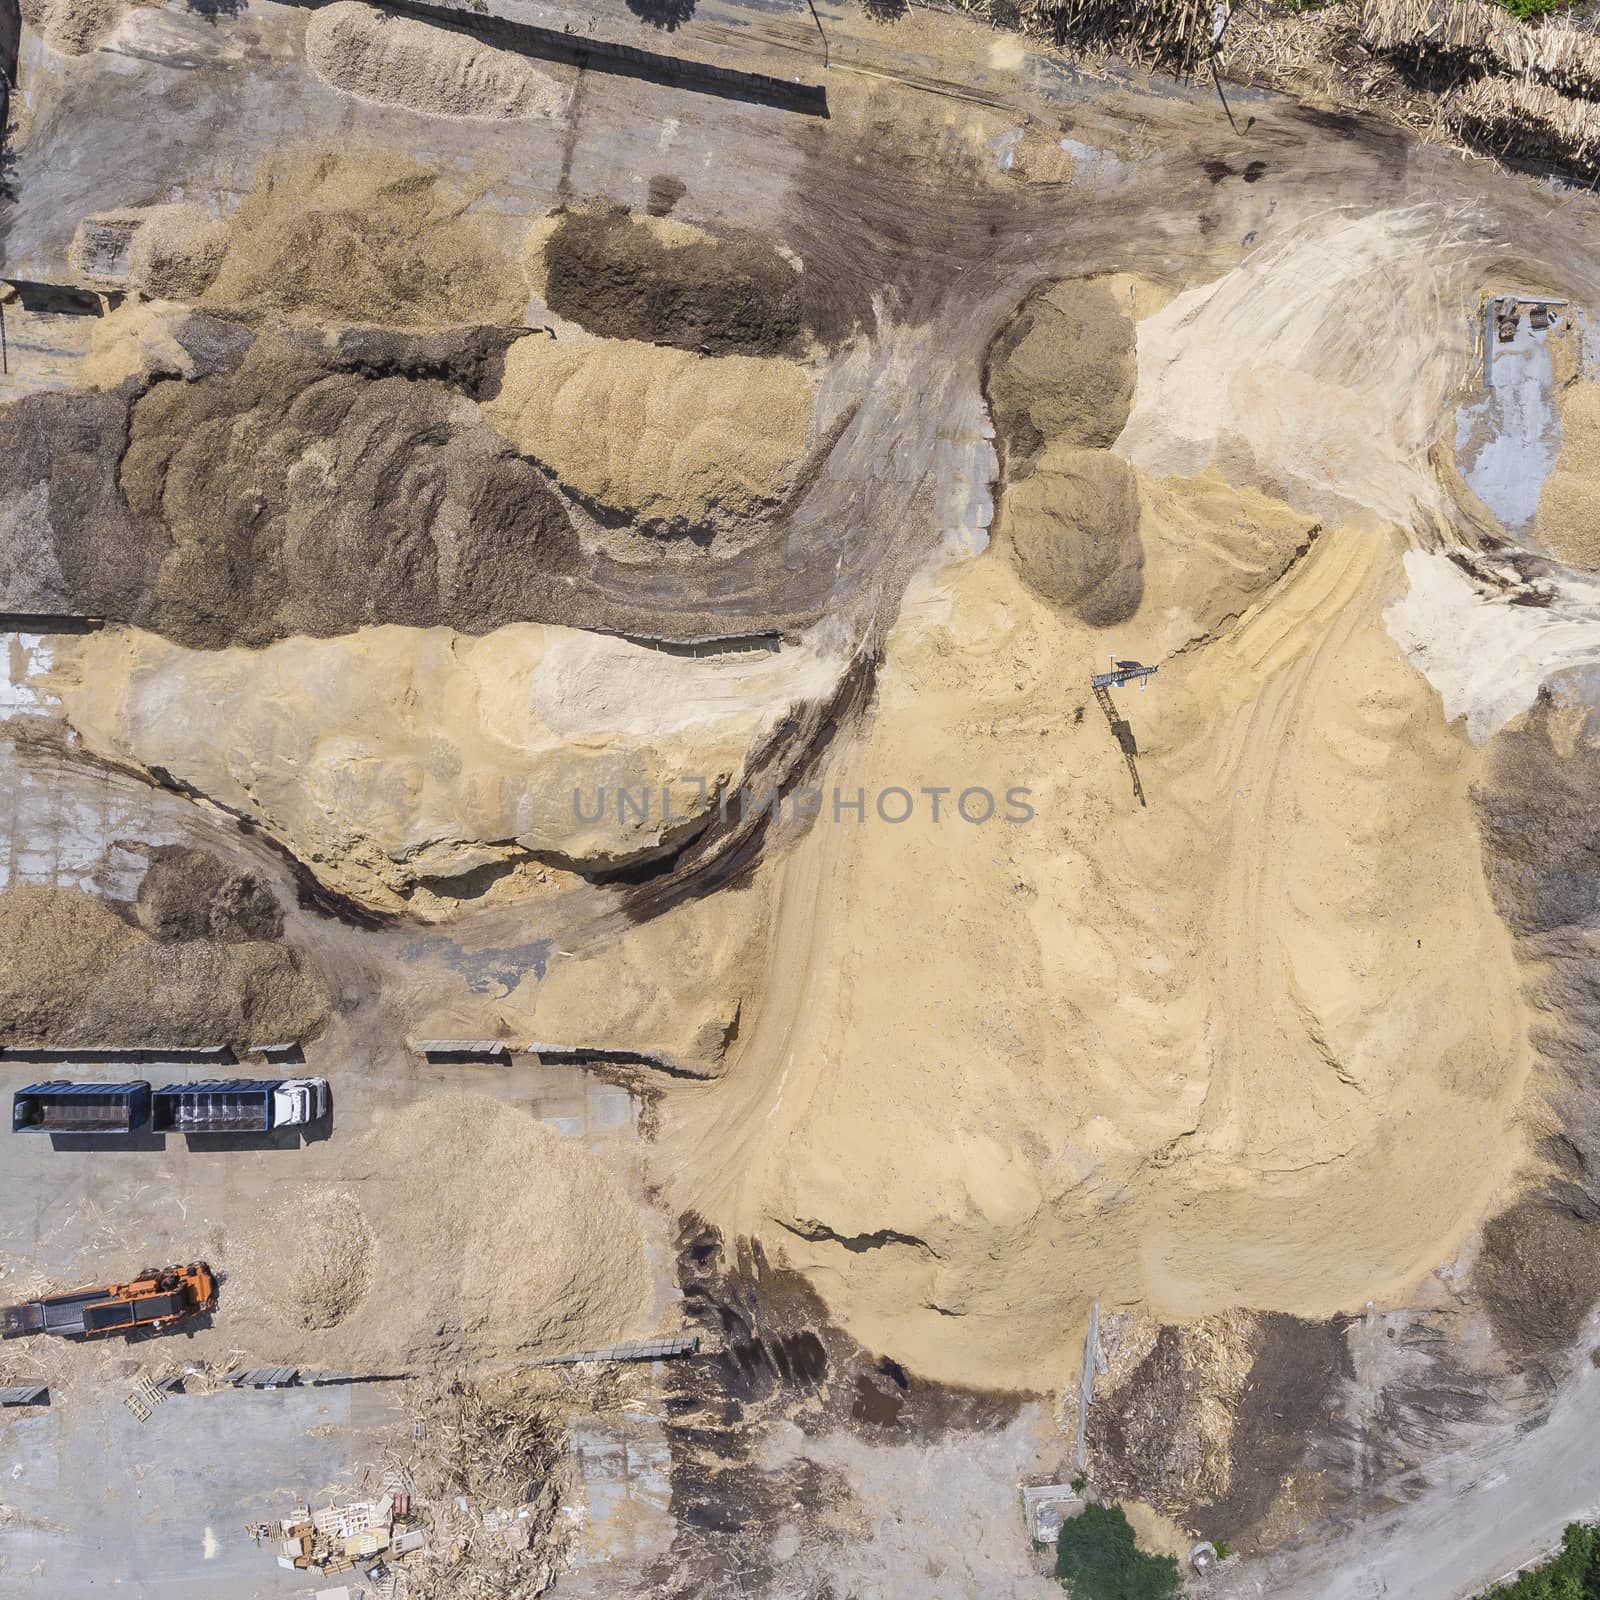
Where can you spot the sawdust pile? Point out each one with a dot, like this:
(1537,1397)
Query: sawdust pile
(176,251)
(412,770)
(73,27)
(1538,1274)
(77,973)
(1062,370)
(400,61)
(1538,1271)
(286,491)
(1568,522)
(363,236)
(491,1237)
(670,439)
(1072,525)
(1187,1056)
(192,894)
(311,1264)
(1209,1422)
(641,277)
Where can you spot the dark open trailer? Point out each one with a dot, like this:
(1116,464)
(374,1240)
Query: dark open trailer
(61,1107)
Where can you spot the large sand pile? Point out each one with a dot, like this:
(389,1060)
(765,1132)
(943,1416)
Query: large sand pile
(400,61)
(363,236)
(1224,1051)
(78,973)
(402,765)
(640,277)
(474,1233)
(1268,374)
(668,438)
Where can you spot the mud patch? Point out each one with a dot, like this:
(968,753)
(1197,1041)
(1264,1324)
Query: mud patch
(616,276)
(782,1373)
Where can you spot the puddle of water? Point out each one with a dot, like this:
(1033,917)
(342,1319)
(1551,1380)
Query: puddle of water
(1507,441)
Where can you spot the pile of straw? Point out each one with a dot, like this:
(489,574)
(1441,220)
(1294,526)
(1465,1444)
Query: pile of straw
(1459,33)
(1475,36)
(1175,34)
(1557,54)
(1512,116)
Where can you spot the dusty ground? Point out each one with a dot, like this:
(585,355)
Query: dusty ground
(483,439)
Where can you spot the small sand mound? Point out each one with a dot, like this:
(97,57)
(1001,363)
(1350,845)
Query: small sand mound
(628,277)
(313,1264)
(398,61)
(1072,525)
(1062,370)
(668,438)
(363,236)
(176,252)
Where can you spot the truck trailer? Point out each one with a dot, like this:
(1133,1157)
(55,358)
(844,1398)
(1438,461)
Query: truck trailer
(239,1105)
(155,1299)
(62,1107)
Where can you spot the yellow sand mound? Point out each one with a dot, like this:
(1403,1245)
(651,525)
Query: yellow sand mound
(664,435)
(363,236)
(400,61)
(1569,508)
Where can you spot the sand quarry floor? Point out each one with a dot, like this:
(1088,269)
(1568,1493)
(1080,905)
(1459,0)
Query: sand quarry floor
(493,467)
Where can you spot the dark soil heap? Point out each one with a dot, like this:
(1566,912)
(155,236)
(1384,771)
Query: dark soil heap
(610,274)
(289,488)
(199,960)
(1538,1273)
(1061,371)
(1059,381)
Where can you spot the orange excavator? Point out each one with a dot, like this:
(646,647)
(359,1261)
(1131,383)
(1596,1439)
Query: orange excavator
(156,1299)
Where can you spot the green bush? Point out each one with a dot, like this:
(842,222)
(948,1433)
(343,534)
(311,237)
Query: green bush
(1533,8)
(1572,1575)
(1097,1559)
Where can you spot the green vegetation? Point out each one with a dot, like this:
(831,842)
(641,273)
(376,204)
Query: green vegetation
(1572,1575)
(1097,1559)
(1221,1549)
(1080,1483)
(1532,8)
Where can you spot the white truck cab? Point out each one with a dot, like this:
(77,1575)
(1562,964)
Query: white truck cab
(299,1101)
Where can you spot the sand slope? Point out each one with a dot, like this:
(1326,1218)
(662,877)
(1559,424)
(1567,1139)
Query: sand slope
(1254,1045)
(395,760)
